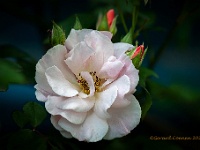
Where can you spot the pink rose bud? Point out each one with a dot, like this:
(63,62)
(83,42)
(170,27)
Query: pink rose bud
(110,16)
(138,51)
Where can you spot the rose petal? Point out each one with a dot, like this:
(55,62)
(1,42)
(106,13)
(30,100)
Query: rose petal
(54,121)
(93,129)
(77,60)
(75,37)
(102,46)
(111,68)
(59,84)
(123,120)
(104,101)
(77,104)
(123,87)
(129,70)
(106,33)
(53,107)
(54,56)
(121,48)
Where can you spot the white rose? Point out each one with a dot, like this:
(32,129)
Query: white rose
(88,85)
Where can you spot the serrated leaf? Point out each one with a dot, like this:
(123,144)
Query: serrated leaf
(35,112)
(26,139)
(58,35)
(20,118)
(77,25)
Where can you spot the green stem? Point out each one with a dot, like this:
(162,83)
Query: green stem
(122,17)
(134,18)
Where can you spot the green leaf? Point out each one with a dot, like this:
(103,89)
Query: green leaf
(26,139)
(20,118)
(58,35)
(77,25)
(35,113)
(10,72)
(146,105)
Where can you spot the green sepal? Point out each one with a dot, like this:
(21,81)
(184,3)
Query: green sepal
(102,23)
(128,38)
(136,61)
(58,35)
(113,27)
(77,25)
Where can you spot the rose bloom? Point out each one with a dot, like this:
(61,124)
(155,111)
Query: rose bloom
(87,86)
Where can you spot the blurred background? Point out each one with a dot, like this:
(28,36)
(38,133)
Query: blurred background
(170,29)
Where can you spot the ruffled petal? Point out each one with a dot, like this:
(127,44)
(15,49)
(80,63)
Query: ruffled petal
(59,84)
(77,104)
(129,70)
(93,129)
(77,59)
(123,87)
(111,68)
(104,101)
(102,46)
(75,37)
(54,121)
(54,56)
(53,106)
(121,48)
(123,120)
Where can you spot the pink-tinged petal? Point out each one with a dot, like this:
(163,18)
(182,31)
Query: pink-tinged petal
(75,37)
(54,56)
(111,68)
(66,134)
(102,46)
(41,94)
(93,129)
(59,84)
(122,84)
(54,121)
(123,120)
(77,58)
(129,70)
(108,34)
(77,104)
(121,48)
(123,87)
(53,107)
(104,101)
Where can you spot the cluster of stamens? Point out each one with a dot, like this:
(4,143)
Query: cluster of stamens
(84,85)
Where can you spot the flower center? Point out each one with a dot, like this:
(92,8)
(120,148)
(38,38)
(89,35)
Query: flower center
(84,85)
